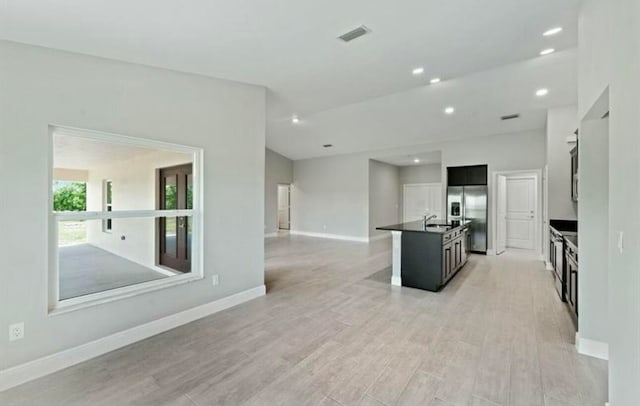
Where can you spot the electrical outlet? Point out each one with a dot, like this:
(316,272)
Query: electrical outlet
(16,331)
(215,280)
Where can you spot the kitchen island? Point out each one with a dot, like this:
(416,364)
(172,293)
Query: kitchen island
(428,256)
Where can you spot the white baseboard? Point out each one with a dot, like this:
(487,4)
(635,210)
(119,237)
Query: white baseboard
(329,236)
(380,237)
(396,281)
(491,252)
(592,348)
(548,266)
(271,235)
(31,370)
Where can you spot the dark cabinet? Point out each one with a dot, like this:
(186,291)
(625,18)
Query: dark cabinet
(431,259)
(572,282)
(552,250)
(475,175)
(447,259)
(454,253)
(574,174)
(457,250)
(457,176)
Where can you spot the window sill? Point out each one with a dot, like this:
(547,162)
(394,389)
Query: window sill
(95,299)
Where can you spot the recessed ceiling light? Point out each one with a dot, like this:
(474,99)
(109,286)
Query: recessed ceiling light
(449,110)
(416,161)
(542,92)
(547,51)
(553,31)
(295,119)
(434,81)
(418,71)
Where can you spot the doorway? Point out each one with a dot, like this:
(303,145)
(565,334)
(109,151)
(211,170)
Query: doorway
(517,211)
(421,199)
(175,186)
(284,207)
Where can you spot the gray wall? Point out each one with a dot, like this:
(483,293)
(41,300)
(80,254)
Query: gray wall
(278,170)
(507,152)
(561,123)
(609,55)
(384,196)
(39,87)
(331,196)
(431,173)
(594,225)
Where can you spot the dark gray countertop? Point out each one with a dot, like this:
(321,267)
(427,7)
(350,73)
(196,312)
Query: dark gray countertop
(437,227)
(571,239)
(570,236)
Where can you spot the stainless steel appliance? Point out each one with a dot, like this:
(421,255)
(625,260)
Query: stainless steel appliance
(556,256)
(470,203)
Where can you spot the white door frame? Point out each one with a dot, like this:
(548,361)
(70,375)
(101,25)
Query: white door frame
(500,248)
(538,221)
(288,185)
(404,201)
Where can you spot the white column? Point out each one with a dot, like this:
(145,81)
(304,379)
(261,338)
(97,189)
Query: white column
(396,277)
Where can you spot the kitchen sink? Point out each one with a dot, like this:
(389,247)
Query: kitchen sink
(439,226)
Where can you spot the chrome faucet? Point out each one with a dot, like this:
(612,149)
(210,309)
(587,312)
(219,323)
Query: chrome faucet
(426,219)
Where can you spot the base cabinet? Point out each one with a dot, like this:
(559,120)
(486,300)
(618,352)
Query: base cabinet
(455,252)
(430,259)
(572,283)
(447,261)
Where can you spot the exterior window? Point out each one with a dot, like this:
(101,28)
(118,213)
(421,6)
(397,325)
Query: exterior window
(157,239)
(107,205)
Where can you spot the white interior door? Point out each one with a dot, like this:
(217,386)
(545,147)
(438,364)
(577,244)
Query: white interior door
(284,207)
(501,240)
(421,199)
(435,200)
(521,209)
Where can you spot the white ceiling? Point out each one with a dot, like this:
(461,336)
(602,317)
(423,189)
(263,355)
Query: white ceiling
(425,158)
(416,117)
(83,153)
(290,46)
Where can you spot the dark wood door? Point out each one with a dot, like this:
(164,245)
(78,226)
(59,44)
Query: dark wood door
(175,185)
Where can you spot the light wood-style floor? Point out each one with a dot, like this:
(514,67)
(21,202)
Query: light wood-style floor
(332,331)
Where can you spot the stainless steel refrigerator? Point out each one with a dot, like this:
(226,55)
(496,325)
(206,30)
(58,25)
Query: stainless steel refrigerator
(470,203)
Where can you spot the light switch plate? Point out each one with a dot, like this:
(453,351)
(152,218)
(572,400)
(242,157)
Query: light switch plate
(621,241)
(215,280)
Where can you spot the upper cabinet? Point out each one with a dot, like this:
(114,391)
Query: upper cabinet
(574,170)
(574,174)
(475,175)
(456,176)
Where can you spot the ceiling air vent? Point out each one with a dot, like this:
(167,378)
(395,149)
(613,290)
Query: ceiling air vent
(510,117)
(327,145)
(353,34)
